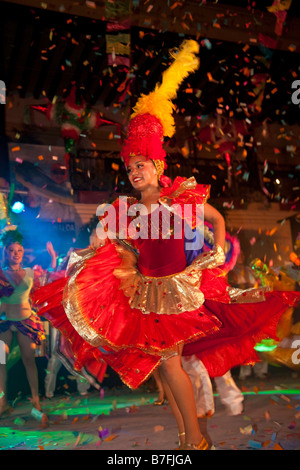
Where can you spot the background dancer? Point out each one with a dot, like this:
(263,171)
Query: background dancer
(17,315)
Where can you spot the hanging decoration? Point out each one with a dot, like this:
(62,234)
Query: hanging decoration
(118,48)
(118,55)
(74,118)
(279,8)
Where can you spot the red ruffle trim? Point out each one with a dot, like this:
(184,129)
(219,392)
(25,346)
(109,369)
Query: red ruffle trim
(197,195)
(77,351)
(221,334)
(244,325)
(106,310)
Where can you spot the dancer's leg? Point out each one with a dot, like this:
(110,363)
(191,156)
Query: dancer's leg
(160,388)
(27,348)
(175,410)
(7,339)
(182,391)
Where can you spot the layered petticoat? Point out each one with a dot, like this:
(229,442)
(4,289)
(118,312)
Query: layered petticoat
(110,313)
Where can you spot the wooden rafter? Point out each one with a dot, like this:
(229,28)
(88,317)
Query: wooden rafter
(212,21)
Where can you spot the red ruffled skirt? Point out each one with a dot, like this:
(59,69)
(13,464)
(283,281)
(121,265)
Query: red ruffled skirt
(103,310)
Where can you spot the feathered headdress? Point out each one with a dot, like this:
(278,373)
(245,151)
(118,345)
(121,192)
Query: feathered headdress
(152,118)
(10,235)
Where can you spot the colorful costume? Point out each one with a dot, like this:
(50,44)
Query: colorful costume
(131,302)
(31,326)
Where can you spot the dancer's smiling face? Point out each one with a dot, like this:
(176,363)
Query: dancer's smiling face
(14,253)
(142,173)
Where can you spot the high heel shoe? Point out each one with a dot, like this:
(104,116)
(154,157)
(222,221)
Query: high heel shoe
(159,402)
(203,445)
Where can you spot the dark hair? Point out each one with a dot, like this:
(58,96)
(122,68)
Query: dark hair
(8,237)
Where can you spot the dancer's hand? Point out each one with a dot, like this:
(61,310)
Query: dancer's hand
(52,253)
(210,259)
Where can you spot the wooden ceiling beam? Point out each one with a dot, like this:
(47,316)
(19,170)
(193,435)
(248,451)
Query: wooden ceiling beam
(212,21)
(217,22)
(77,8)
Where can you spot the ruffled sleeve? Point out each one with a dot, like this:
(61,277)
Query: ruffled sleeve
(185,192)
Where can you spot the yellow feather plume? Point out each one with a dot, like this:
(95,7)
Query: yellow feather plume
(159,102)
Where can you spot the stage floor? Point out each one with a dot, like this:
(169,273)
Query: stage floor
(126,420)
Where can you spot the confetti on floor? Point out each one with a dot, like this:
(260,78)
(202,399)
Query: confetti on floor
(123,420)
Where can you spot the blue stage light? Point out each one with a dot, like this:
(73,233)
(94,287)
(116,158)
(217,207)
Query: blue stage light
(17,207)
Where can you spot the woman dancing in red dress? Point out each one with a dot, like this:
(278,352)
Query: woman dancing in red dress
(132,301)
